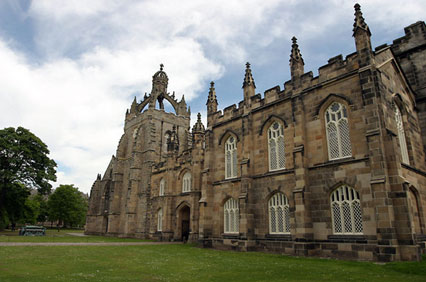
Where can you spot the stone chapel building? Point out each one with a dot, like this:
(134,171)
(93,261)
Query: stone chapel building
(332,165)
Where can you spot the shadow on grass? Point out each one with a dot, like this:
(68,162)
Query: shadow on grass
(63,236)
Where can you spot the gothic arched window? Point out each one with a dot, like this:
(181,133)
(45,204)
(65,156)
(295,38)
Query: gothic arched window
(279,214)
(401,135)
(186,182)
(231,157)
(276,146)
(337,127)
(231,214)
(162,184)
(346,211)
(160,220)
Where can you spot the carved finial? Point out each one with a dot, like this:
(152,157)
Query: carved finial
(359,20)
(295,51)
(248,78)
(161,67)
(296,60)
(211,100)
(198,126)
(133,106)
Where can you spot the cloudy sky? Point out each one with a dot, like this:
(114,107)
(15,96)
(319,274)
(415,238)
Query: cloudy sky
(70,69)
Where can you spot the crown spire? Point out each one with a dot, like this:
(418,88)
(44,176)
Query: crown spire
(248,77)
(159,82)
(296,60)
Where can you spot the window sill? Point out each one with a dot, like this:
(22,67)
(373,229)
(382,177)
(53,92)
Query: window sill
(347,238)
(347,160)
(275,172)
(279,237)
(229,180)
(230,235)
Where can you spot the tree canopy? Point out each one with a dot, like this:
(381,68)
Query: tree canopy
(24,165)
(67,205)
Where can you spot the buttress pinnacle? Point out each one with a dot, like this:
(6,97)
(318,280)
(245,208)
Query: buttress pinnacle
(296,61)
(248,77)
(359,21)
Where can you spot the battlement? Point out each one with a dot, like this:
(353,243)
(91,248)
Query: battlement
(415,37)
(335,68)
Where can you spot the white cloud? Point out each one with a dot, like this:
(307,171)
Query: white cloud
(77,106)
(94,55)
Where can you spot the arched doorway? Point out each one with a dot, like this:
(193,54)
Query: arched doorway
(184,224)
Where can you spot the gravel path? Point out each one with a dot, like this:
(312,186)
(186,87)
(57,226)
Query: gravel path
(77,234)
(87,244)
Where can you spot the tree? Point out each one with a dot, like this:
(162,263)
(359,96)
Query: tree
(32,210)
(24,165)
(67,205)
(14,200)
(43,211)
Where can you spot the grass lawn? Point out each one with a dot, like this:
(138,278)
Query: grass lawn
(186,263)
(52,235)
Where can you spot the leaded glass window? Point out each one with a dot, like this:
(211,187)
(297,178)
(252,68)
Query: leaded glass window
(401,135)
(346,211)
(186,182)
(279,214)
(231,214)
(276,146)
(337,127)
(162,184)
(231,157)
(160,220)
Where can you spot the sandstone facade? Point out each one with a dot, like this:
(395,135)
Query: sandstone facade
(332,165)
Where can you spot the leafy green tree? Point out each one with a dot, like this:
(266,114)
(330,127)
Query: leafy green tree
(67,205)
(24,164)
(14,207)
(31,210)
(43,211)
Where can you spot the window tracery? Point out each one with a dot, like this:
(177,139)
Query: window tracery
(337,128)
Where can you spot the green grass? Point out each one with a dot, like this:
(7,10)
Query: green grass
(52,235)
(186,263)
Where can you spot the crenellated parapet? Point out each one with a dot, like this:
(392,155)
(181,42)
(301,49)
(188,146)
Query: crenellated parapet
(336,68)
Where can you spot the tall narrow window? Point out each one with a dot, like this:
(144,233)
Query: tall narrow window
(186,182)
(231,216)
(401,135)
(279,214)
(346,211)
(337,127)
(160,220)
(231,157)
(276,146)
(162,184)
